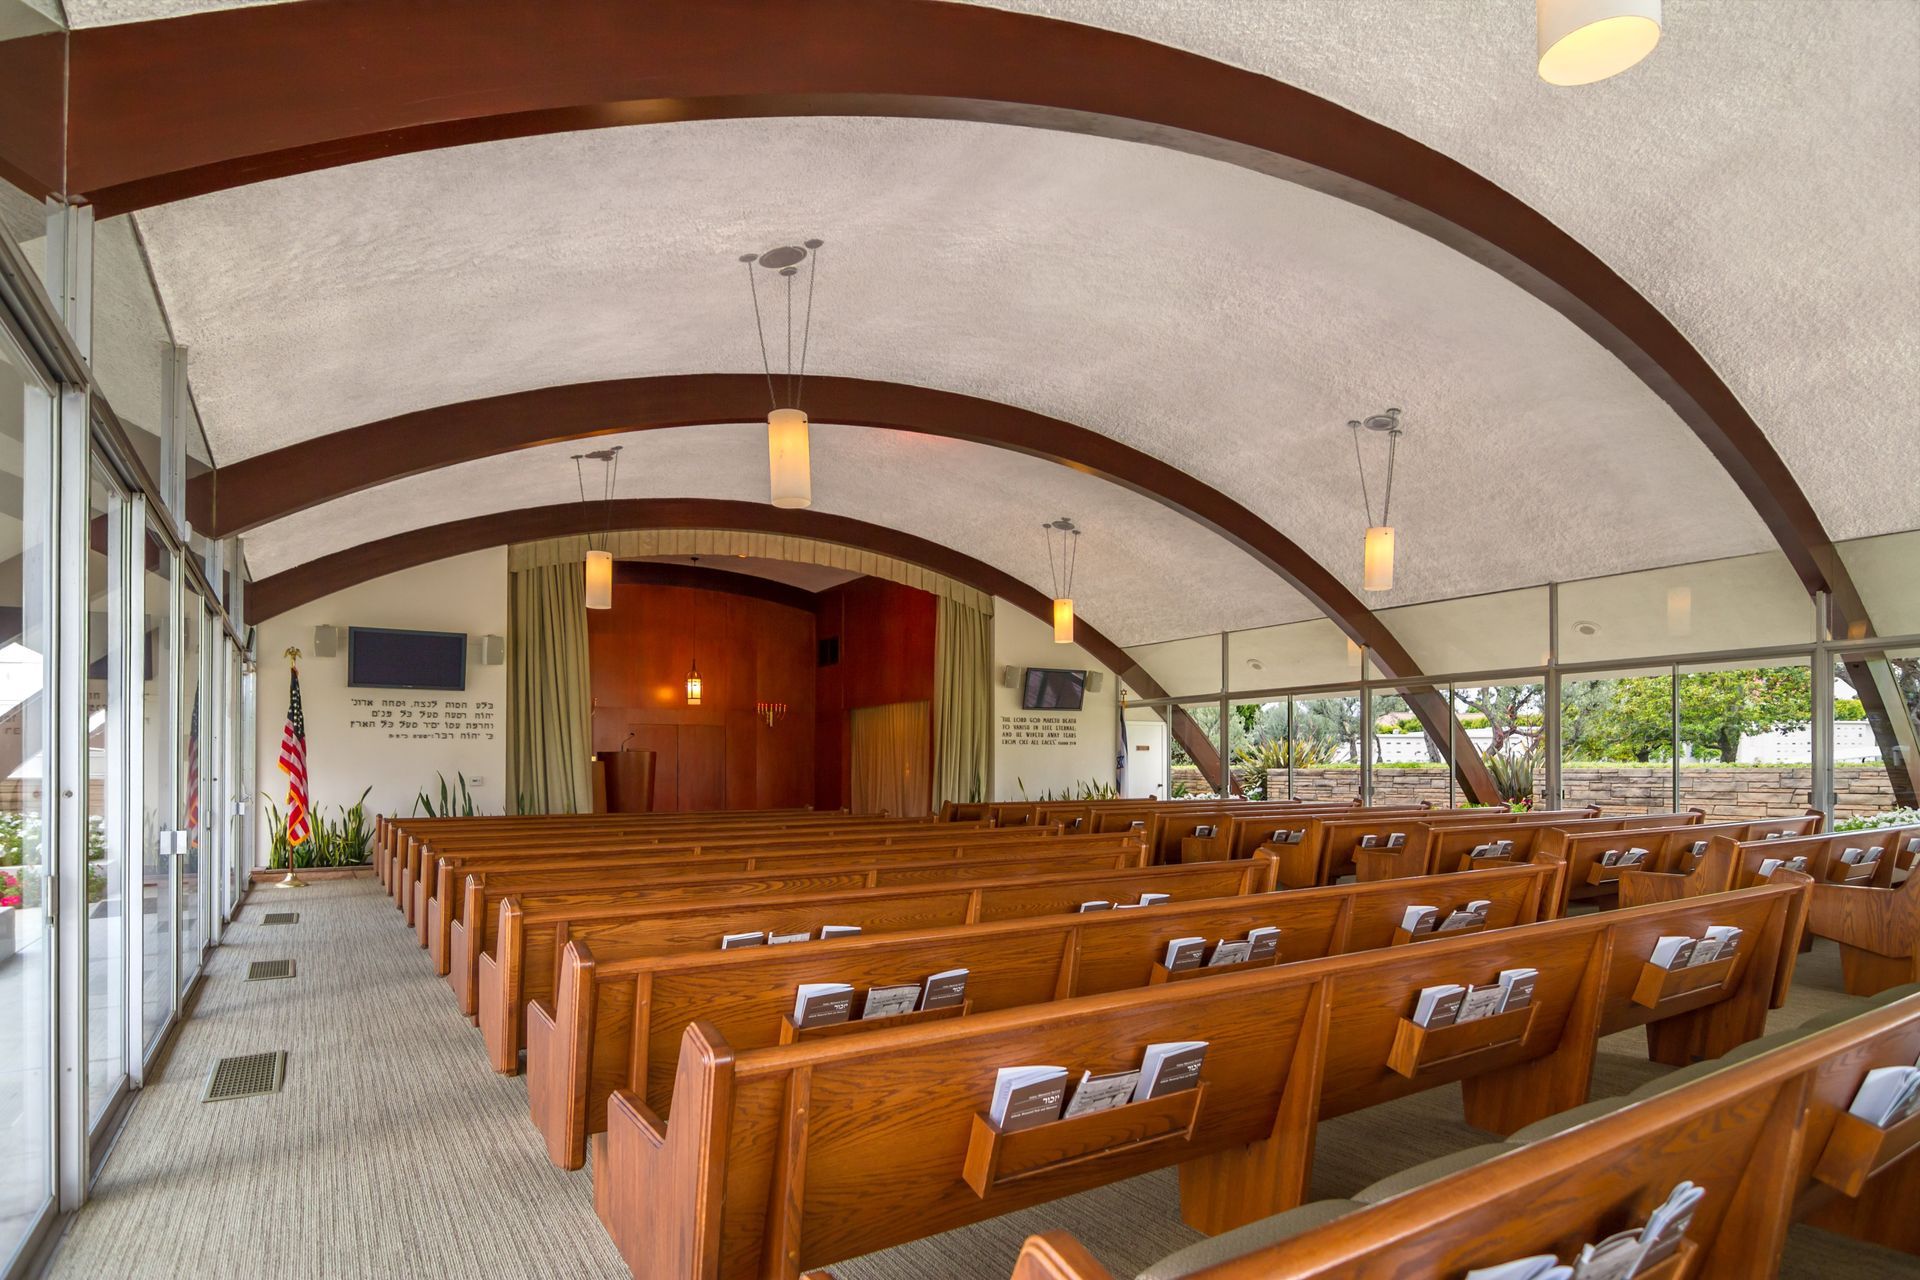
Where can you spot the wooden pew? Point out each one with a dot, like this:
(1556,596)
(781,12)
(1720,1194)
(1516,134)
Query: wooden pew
(446,908)
(1768,1138)
(1435,848)
(1672,850)
(1326,852)
(1192,831)
(618,1024)
(779,1159)
(483,890)
(524,962)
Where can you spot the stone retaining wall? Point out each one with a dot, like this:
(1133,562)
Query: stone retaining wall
(1739,792)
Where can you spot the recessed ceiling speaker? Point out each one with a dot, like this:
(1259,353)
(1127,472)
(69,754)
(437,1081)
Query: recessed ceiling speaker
(1010,677)
(1094,680)
(486,651)
(326,641)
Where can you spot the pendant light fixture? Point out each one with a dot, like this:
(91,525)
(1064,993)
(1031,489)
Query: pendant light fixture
(1376,562)
(1583,41)
(1063,541)
(789,459)
(600,559)
(693,684)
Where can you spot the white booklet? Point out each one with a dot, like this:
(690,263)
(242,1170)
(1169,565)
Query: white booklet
(888,1002)
(818,1004)
(1229,952)
(1542,1266)
(1419,919)
(1672,952)
(1101,1093)
(1262,942)
(1516,987)
(1438,1006)
(1886,1095)
(1667,1226)
(838,931)
(780,939)
(1185,953)
(948,987)
(730,941)
(1026,1096)
(1481,1002)
(1098,904)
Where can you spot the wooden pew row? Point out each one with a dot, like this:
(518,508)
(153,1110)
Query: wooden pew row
(1876,926)
(1190,832)
(416,853)
(1239,835)
(524,963)
(445,906)
(1582,845)
(390,830)
(617,1025)
(421,867)
(483,891)
(780,1159)
(1326,852)
(1768,1138)
(1434,848)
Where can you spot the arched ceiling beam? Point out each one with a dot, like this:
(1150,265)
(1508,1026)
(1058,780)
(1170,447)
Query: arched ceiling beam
(308,582)
(272,485)
(261,92)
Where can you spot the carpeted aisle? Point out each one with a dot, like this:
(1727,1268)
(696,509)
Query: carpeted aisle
(394,1151)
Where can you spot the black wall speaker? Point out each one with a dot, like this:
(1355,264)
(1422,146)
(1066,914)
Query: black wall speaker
(829,652)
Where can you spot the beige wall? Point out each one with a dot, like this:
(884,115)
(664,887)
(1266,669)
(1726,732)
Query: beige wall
(1083,742)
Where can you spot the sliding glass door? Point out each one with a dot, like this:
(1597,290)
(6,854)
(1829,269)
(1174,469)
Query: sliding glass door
(157,889)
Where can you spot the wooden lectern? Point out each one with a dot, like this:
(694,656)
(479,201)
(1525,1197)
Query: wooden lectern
(630,781)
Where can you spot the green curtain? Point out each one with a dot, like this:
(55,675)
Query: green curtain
(549,697)
(962,703)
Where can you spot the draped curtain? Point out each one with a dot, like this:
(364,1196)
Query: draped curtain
(889,760)
(962,703)
(549,697)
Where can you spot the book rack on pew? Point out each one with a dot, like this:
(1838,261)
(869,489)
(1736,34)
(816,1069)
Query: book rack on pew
(1162,975)
(995,1159)
(1417,1049)
(791,1034)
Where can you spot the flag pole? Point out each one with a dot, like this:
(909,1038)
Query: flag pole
(293,880)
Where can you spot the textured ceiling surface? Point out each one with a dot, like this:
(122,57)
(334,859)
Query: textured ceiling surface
(1142,573)
(1224,321)
(1753,178)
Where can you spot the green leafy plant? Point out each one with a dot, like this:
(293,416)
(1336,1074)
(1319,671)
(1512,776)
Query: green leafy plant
(1512,775)
(453,801)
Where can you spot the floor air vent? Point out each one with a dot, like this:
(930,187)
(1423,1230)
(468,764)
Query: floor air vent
(246,1076)
(281,917)
(262,970)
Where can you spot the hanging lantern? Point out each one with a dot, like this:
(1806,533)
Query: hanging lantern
(599,579)
(788,458)
(1061,561)
(1376,553)
(693,686)
(1377,559)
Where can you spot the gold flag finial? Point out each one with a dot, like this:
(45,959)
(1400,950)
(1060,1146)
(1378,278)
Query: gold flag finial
(293,654)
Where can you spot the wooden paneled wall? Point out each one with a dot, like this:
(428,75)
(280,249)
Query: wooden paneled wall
(720,754)
(755,642)
(886,655)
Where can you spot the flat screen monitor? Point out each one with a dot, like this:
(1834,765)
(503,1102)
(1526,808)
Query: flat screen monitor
(1050,690)
(379,658)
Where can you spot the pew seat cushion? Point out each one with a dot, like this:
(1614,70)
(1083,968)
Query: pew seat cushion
(1240,1241)
(1429,1171)
(1572,1117)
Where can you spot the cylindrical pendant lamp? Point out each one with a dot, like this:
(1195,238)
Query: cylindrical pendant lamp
(1377,565)
(1581,41)
(1063,621)
(599,579)
(788,458)
(693,686)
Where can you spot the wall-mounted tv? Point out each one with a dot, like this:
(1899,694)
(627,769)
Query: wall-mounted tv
(1051,690)
(380,658)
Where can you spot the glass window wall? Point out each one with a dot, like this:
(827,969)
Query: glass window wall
(1196,751)
(107,871)
(1876,718)
(1745,739)
(1410,725)
(1616,741)
(188,758)
(157,754)
(1506,723)
(1328,737)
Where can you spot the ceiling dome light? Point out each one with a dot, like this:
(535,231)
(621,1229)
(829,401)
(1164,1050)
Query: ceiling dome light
(1582,41)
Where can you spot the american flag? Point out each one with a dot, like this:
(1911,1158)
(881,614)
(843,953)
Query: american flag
(193,778)
(293,763)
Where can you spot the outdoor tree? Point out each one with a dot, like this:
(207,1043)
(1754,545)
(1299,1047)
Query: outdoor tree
(1716,709)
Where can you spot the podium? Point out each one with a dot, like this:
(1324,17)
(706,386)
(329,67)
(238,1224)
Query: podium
(630,781)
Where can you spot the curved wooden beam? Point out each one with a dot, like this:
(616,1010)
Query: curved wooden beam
(302,584)
(264,91)
(270,486)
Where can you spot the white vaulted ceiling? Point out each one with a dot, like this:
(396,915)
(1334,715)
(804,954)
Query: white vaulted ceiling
(1753,178)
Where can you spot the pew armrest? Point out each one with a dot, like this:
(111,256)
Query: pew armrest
(1056,1255)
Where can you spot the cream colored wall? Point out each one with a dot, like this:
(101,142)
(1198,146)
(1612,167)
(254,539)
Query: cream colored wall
(1021,640)
(345,752)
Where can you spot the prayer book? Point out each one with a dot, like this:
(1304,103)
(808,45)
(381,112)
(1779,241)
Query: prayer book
(1438,1006)
(1887,1095)
(1203,832)
(1169,1067)
(1262,942)
(1225,952)
(1516,986)
(1185,953)
(1153,899)
(1471,916)
(1481,1002)
(1369,842)
(1672,952)
(1419,919)
(838,931)
(730,941)
(1725,939)
(1297,835)
(1396,839)
(948,987)
(888,1002)
(820,1004)
(1098,904)
(1542,1266)
(779,939)
(1698,846)
(1024,1097)
(1101,1093)
(1667,1227)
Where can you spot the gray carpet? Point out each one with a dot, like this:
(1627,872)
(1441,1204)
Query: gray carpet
(393,1151)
